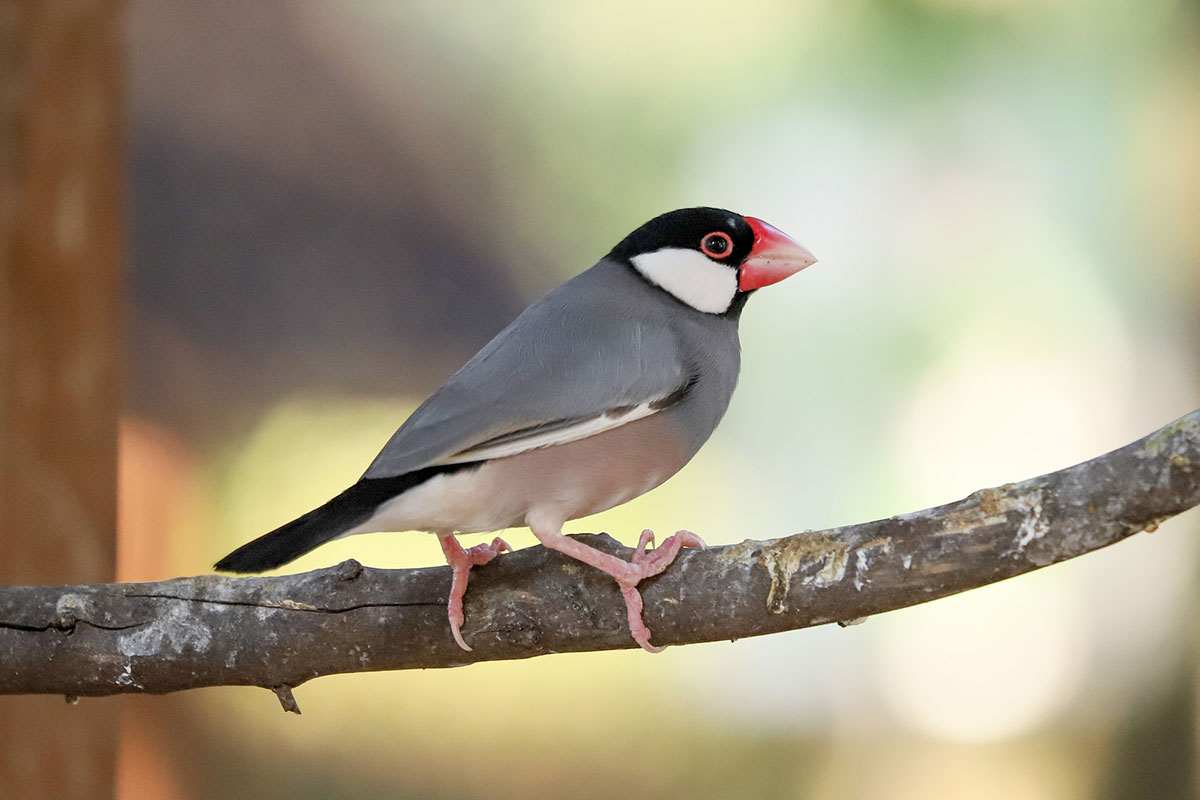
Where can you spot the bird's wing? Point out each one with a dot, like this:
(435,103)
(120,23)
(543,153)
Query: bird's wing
(568,368)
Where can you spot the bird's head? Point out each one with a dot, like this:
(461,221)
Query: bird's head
(710,258)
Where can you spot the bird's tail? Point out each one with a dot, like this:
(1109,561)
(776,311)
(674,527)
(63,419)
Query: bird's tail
(324,524)
(290,541)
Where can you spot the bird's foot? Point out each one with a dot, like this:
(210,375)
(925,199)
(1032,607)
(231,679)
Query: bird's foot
(627,574)
(481,554)
(461,560)
(633,614)
(657,560)
(646,564)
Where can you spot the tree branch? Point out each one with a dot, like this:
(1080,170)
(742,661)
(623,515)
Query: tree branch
(279,632)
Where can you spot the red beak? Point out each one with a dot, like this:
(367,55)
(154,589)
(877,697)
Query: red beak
(775,256)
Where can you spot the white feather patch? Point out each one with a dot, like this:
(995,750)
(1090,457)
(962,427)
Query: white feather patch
(691,276)
(559,435)
(462,501)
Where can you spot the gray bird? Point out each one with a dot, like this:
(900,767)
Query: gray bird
(594,395)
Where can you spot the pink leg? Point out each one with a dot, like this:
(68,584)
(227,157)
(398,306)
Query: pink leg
(645,564)
(460,562)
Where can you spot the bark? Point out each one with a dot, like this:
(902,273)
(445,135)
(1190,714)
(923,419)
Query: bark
(279,632)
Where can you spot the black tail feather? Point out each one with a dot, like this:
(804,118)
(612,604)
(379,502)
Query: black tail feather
(350,508)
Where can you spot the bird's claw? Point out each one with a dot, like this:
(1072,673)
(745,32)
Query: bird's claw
(646,538)
(648,563)
(456,622)
(481,554)
(461,560)
(633,613)
(653,562)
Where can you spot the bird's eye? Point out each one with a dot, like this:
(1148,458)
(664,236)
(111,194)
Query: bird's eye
(716,245)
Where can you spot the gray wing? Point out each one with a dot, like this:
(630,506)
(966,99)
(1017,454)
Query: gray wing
(574,364)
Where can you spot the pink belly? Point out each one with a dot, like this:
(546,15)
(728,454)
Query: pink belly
(559,482)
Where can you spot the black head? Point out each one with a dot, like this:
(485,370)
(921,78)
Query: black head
(722,236)
(709,258)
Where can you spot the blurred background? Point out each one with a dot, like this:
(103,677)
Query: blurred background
(327,207)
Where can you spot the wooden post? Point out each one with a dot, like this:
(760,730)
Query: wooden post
(61,204)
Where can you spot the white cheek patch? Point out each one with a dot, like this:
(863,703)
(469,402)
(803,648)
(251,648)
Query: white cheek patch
(691,276)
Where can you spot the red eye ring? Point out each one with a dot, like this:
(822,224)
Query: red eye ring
(720,252)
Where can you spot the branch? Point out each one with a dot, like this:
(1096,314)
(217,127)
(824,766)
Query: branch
(279,632)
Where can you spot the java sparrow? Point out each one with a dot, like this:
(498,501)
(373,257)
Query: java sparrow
(594,395)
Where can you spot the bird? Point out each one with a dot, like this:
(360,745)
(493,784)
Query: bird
(595,394)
